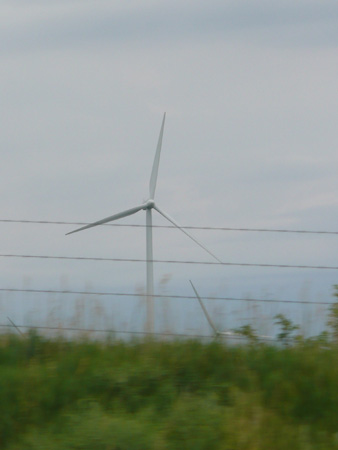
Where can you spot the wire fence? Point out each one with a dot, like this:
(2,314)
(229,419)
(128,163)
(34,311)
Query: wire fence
(163,296)
(187,227)
(169,261)
(67,292)
(134,333)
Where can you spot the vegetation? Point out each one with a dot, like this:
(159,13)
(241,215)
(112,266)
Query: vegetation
(84,395)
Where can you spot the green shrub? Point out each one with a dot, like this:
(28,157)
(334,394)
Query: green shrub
(194,423)
(90,428)
(167,395)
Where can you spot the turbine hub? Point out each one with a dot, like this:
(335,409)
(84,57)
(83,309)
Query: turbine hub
(149,204)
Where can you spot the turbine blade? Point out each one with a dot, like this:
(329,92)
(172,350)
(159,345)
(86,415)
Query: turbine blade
(126,213)
(154,172)
(211,323)
(185,232)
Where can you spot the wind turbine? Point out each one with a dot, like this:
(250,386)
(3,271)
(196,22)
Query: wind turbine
(218,333)
(148,206)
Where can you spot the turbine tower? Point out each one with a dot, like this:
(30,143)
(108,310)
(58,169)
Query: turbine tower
(148,206)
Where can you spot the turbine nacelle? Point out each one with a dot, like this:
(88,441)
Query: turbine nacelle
(149,204)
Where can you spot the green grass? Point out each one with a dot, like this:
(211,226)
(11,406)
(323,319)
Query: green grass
(57,394)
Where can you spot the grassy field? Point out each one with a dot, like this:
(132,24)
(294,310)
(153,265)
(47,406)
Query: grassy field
(58,394)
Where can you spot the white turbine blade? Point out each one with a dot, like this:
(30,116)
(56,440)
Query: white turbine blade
(126,213)
(185,232)
(211,323)
(154,172)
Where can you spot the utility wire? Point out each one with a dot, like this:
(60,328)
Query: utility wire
(144,333)
(264,230)
(182,297)
(87,258)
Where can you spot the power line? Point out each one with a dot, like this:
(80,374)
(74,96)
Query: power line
(182,297)
(144,333)
(260,230)
(167,261)
(93,330)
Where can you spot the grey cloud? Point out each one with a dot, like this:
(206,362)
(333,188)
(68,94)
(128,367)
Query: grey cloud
(313,23)
(292,172)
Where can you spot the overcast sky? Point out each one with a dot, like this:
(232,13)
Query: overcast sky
(250,91)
